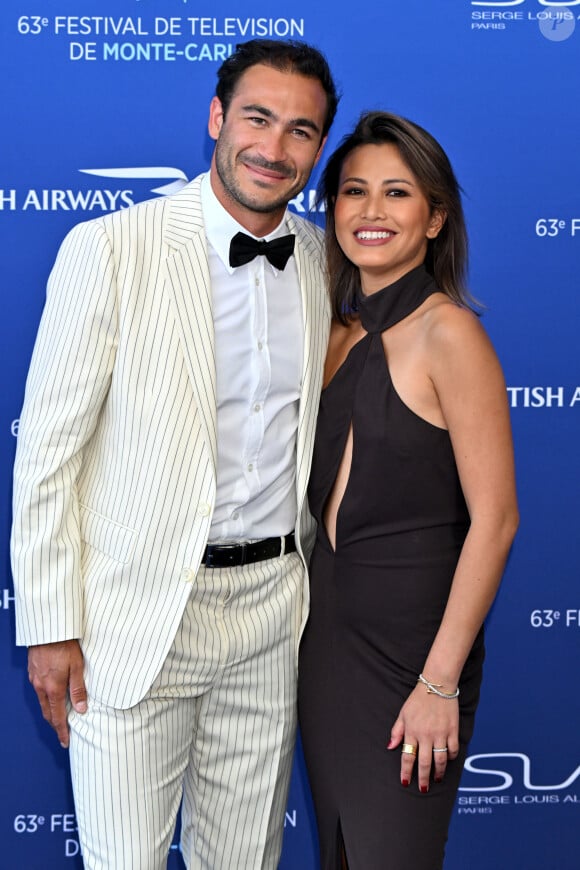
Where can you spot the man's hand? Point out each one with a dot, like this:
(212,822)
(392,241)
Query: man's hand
(55,669)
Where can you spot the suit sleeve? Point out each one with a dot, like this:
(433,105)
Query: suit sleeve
(67,384)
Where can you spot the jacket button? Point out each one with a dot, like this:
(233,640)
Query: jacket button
(187,575)
(204,509)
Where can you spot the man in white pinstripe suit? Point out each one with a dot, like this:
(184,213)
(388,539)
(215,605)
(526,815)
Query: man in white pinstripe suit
(160,530)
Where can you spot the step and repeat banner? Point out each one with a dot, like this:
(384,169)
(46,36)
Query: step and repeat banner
(105,104)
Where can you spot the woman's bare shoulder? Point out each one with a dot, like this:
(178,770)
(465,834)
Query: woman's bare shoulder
(445,323)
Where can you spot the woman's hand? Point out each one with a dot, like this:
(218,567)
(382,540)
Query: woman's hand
(428,723)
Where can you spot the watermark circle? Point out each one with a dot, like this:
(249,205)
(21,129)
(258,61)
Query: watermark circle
(559,25)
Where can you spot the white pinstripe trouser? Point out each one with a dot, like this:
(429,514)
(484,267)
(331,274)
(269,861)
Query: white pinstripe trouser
(218,724)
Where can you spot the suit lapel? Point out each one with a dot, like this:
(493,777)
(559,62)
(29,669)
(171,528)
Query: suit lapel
(189,284)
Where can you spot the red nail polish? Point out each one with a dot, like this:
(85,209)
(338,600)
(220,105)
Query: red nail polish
(438,779)
(424,789)
(405,782)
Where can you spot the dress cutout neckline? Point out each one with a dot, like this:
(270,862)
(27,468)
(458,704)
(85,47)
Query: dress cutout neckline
(393,303)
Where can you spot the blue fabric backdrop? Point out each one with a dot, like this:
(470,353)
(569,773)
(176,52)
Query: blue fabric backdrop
(105,104)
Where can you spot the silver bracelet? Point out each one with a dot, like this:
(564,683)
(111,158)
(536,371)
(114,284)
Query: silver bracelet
(435,689)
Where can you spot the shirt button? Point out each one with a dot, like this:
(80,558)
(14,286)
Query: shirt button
(257,407)
(257,282)
(250,466)
(235,516)
(260,346)
(204,510)
(187,575)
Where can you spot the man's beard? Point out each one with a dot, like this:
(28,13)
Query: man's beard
(226,173)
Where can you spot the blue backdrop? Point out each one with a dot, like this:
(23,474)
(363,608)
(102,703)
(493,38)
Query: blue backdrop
(105,104)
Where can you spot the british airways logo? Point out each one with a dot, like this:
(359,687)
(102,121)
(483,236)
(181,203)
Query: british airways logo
(96,199)
(139,173)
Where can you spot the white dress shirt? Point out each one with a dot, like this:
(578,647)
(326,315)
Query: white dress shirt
(259,350)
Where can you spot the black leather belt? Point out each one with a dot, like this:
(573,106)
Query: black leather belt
(231,555)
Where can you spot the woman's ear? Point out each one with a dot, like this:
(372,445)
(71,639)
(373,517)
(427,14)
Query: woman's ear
(438,218)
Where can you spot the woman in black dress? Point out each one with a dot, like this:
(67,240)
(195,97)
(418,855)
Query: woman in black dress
(413,488)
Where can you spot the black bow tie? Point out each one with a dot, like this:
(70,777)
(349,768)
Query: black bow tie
(244,248)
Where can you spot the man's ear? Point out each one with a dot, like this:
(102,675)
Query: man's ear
(216,118)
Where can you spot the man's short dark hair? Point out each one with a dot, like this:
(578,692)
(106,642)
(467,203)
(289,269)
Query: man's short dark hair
(291,56)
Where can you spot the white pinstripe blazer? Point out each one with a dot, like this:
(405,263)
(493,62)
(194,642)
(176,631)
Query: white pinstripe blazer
(115,474)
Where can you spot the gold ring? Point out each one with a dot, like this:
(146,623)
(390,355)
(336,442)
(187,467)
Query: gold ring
(408,749)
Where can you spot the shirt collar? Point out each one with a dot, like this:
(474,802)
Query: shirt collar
(221,227)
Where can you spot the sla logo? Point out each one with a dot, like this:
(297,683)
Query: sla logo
(94,200)
(506,778)
(555,21)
